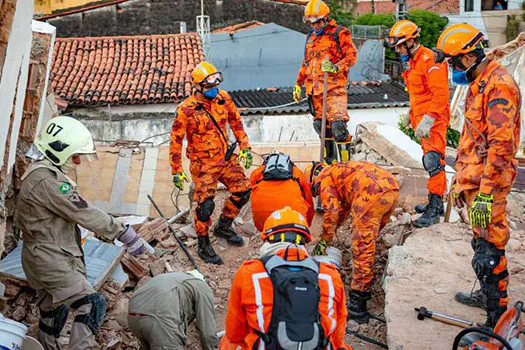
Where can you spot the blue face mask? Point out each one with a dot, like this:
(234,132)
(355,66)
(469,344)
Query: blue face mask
(459,77)
(405,58)
(211,93)
(319,32)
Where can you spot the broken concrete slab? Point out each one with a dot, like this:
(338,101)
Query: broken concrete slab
(432,265)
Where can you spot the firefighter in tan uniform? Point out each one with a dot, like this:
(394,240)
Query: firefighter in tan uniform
(48,213)
(161,311)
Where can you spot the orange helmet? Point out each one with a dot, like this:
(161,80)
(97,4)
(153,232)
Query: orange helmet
(315,10)
(458,39)
(286,225)
(206,74)
(401,32)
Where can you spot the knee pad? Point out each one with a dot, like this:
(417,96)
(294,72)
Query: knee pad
(59,317)
(432,163)
(239,199)
(340,131)
(205,209)
(95,317)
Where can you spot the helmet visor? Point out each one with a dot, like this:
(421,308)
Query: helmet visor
(312,19)
(394,40)
(212,80)
(88,157)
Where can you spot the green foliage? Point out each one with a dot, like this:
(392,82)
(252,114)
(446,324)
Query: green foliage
(513,27)
(370,19)
(452,135)
(338,13)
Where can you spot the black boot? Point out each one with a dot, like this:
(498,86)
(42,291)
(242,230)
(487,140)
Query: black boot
(421,208)
(431,215)
(357,306)
(225,230)
(474,299)
(206,251)
(493,317)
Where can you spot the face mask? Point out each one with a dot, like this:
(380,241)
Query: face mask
(319,32)
(459,77)
(211,94)
(68,166)
(405,58)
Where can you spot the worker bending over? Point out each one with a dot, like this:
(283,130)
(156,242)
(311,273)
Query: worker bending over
(486,164)
(276,184)
(369,194)
(429,116)
(48,213)
(161,311)
(328,49)
(286,300)
(203,118)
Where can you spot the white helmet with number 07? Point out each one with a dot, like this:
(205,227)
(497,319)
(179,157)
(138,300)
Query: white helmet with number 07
(63,137)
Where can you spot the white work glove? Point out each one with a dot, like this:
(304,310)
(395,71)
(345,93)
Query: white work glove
(424,126)
(135,244)
(196,274)
(404,119)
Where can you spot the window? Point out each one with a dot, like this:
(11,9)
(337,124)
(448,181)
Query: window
(469,5)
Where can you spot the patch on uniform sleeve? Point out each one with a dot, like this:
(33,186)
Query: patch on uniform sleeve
(65,188)
(78,201)
(498,101)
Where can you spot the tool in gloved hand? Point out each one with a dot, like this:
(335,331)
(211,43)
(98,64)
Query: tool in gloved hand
(179,179)
(246,157)
(423,313)
(174,234)
(135,245)
(423,128)
(328,66)
(480,212)
(320,248)
(296,95)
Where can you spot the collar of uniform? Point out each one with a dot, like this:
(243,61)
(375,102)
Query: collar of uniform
(479,83)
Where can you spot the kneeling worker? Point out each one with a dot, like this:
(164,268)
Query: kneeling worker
(285,300)
(48,213)
(160,311)
(369,194)
(276,184)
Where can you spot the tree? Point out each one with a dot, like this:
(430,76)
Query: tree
(339,13)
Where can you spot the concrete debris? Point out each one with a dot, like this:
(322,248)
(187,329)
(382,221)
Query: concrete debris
(134,267)
(189,230)
(151,230)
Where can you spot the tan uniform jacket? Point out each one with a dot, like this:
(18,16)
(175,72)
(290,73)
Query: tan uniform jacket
(175,300)
(48,211)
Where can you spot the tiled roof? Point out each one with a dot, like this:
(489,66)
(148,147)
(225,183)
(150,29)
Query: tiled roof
(125,69)
(360,95)
(238,27)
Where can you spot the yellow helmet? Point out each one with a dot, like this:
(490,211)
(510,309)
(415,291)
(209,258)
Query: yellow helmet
(206,74)
(401,32)
(459,39)
(315,10)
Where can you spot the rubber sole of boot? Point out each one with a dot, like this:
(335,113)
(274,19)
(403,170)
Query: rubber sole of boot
(420,224)
(216,260)
(465,299)
(236,241)
(421,208)
(359,317)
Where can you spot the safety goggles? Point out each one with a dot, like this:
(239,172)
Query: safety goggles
(212,80)
(392,41)
(88,157)
(312,19)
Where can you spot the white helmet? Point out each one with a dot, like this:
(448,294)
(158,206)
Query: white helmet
(63,137)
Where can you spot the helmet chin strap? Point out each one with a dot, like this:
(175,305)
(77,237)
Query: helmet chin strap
(411,49)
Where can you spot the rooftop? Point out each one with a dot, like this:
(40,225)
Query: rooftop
(360,95)
(125,69)
(238,27)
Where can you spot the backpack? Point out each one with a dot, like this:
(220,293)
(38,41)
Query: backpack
(334,34)
(295,322)
(278,166)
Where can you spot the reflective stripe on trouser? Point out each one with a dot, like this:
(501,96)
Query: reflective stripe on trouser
(337,105)
(364,235)
(231,174)
(437,142)
(497,232)
(81,336)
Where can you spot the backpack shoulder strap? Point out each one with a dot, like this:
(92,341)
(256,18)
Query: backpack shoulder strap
(336,37)
(308,35)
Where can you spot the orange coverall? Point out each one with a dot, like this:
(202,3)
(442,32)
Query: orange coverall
(206,150)
(427,84)
(310,74)
(250,304)
(369,194)
(486,160)
(270,195)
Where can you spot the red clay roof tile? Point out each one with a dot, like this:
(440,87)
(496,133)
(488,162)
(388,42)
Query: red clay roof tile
(125,69)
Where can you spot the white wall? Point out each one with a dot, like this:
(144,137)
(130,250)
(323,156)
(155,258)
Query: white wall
(15,71)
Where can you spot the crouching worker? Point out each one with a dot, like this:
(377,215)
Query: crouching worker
(276,184)
(48,213)
(160,311)
(285,300)
(369,194)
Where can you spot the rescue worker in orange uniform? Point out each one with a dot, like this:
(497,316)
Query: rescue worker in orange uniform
(203,119)
(329,48)
(369,194)
(285,297)
(486,164)
(427,84)
(276,184)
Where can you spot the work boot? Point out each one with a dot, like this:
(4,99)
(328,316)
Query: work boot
(206,252)
(357,306)
(431,215)
(474,299)
(421,208)
(493,317)
(225,230)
